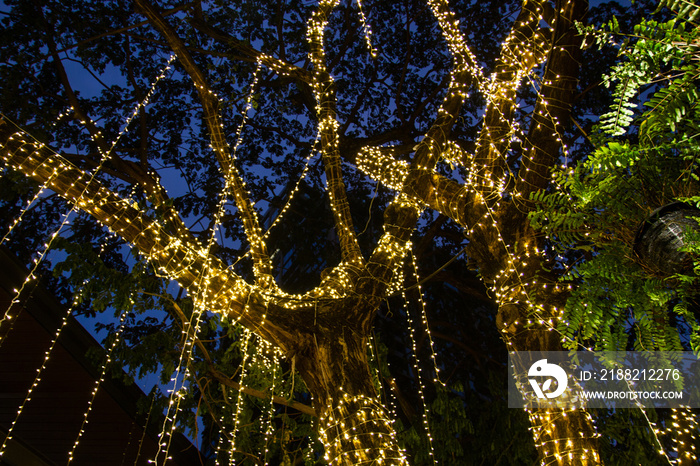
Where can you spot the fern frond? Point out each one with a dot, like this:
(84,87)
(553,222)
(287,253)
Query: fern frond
(685,9)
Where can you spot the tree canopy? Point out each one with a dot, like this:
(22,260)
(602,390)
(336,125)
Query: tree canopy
(360,202)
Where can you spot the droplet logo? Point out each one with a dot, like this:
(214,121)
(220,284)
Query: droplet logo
(553,372)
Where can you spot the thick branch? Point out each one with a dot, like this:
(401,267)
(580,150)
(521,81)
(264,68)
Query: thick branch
(523,49)
(324,90)
(401,216)
(210,106)
(224,380)
(302,408)
(139,173)
(179,256)
(544,140)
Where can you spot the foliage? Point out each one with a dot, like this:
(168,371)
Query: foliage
(641,161)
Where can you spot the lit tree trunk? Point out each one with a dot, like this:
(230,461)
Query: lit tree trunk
(506,250)
(354,425)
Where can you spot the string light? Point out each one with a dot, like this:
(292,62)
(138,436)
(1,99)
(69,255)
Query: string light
(271,412)
(424,320)
(512,286)
(366,29)
(419,376)
(77,298)
(349,431)
(246,347)
(233,185)
(80,200)
(98,382)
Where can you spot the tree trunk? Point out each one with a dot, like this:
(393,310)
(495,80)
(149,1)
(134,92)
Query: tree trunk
(354,425)
(564,437)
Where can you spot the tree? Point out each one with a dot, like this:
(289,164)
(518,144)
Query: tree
(391,101)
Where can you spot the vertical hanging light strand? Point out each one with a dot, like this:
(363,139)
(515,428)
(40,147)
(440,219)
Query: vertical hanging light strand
(77,298)
(108,360)
(419,376)
(202,297)
(177,393)
(145,425)
(220,441)
(271,412)
(239,400)
(366,29)
(424,319)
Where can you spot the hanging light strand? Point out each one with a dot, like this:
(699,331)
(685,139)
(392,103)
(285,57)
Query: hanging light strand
(419,375)
(77,299)
(202,298)
(105,365)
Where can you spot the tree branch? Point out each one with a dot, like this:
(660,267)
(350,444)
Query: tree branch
(178,255)
(249,54)
(324,90)
(139,173)
(223,379)
(523,49)
(554,101)
(210,106)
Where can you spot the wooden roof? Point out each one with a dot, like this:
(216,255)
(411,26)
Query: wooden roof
(50,422)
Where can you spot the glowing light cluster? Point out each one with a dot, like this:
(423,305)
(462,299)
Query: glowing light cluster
(348,423)
(373,160)
(346,427)
(548,425)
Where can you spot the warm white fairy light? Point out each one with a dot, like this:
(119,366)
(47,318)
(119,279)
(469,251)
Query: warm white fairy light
(178,379)
(656,433)
(222,434)
(77,299)
(31,276)
(40,191)
(348,423)
(544,425)
(394,172)
(98,382)
(246,347)
(419,375)
(145,427)
(271,412)
(202,298)
(390,401)
(25,209)
(682,428)
(366,29)
(104,157)
(511,288)
(374,361)
(424,320)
